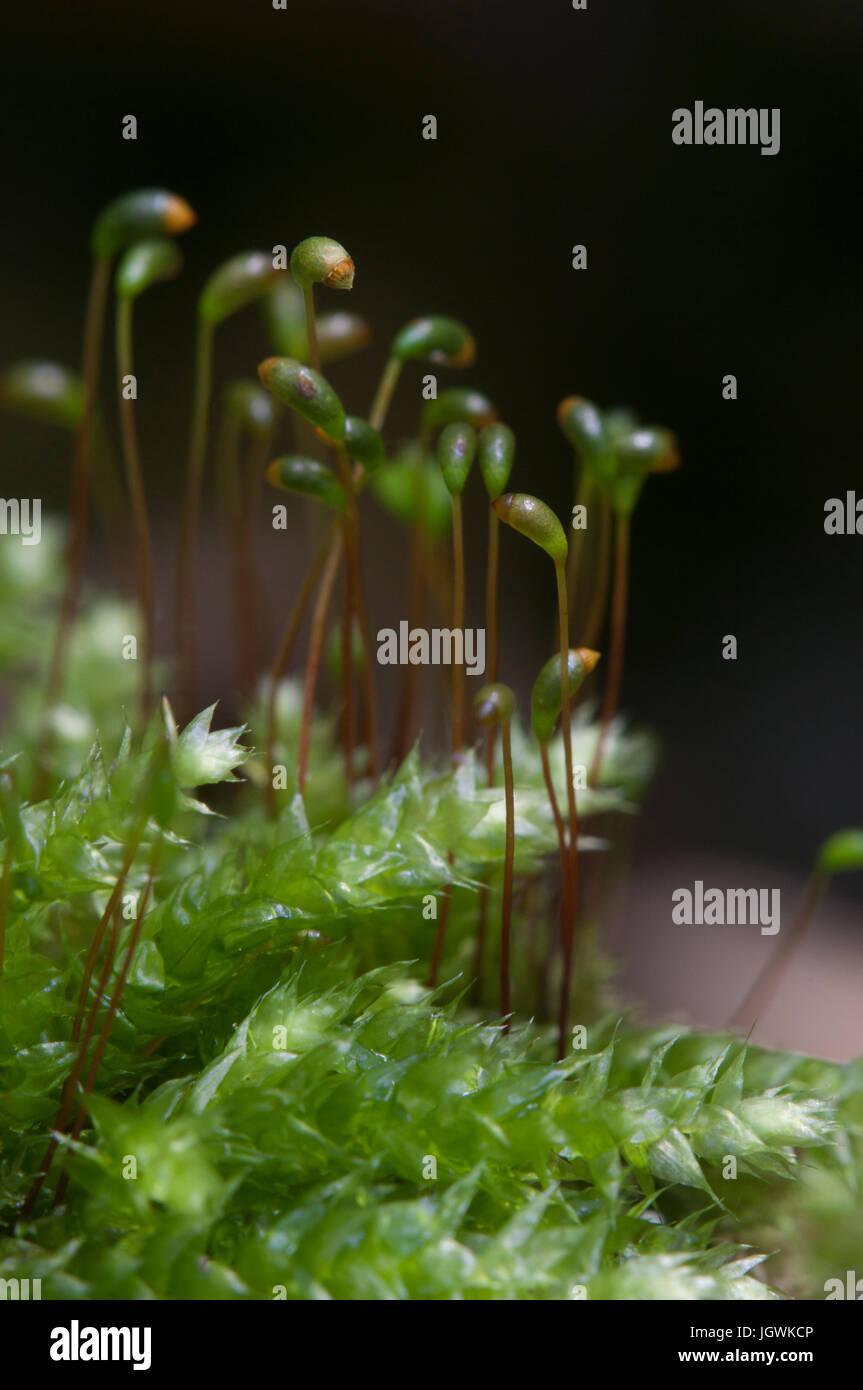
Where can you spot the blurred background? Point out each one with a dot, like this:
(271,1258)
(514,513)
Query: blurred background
(554,128)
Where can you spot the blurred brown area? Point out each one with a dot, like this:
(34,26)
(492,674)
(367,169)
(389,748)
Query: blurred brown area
(699,974)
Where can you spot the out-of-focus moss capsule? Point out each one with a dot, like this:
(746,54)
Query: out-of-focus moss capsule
(458,405)
(492,705)
(293,473)
(363,443)
(455,454)
(669,459)
(546,700)
(43,391)
(619,420)
(440,339)
(586,429)
(496,453)
(341,334)
(582,424)
(412,490)
(146,212)
(321,261)
(285,318)
(236,283)
(145,263)
(307,392)
(639,453)
(333,655)
(253,408)
(648,449)
(842,853)
(532,518)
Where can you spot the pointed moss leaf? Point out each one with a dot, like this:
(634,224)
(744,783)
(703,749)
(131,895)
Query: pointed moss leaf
(202,757)
(783,1120)
(174,1168)
(671,1159)
(728,1090)
(674,1277)
(717,1133)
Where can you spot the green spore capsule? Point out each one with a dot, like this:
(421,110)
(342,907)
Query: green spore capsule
(496,453)
(363,443)
(619,420)
(411,490)
(253,408)
(587,431)
(321,261)
(638,453)
(492,705)
(147,212)
(458,405)
(842,853)
(43,391)
(333,653)
(532,518)
(546,700)
(341,334)
(455,454)
(146,263)
(309,477)
(238,282)
(285,319)
(440,339)
(648,449)
(307,392)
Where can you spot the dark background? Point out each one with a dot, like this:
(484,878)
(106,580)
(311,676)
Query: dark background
(554,128)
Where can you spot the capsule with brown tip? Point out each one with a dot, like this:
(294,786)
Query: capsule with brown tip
(309,477)
(458,405)
(146,263)
(146,212)
(237,282)
(546,700)
(532,518)
(436,337)
(43,391)
(321,261)
(307,392)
